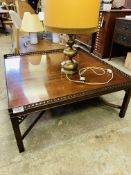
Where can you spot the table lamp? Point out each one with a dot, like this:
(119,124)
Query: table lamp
(71,17)
(31,24)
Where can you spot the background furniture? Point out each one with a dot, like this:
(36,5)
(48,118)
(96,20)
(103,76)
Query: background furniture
(87,41)
(20,38)
(7,1)
(8,6)
(118,3)
(23,6)
(101,43)
(122,35)
(105,31)
(4,20)
(2,12)
(127,4)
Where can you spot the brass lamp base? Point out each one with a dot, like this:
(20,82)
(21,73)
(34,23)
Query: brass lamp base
(70,66)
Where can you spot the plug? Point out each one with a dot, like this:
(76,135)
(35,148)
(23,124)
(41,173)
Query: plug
(109,71)
(82,78)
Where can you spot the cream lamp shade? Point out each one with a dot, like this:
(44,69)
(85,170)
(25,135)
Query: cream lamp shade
(71,16)
(31,24)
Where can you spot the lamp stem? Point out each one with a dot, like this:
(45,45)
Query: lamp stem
(70,66)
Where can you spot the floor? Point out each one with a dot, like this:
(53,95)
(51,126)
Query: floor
(86,138)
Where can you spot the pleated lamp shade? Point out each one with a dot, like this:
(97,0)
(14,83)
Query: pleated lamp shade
(31,24)
(71,16)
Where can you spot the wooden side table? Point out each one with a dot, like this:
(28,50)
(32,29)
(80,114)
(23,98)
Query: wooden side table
(122,34)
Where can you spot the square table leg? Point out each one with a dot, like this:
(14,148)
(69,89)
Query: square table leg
(16,121)
(125,103)
(17,132)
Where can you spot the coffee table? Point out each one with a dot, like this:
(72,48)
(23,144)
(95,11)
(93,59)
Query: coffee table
(36,83)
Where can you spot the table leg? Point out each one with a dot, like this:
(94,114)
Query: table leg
(17,132)
(125,103)
(110,54)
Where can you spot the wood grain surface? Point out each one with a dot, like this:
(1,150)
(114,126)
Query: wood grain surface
(38,78)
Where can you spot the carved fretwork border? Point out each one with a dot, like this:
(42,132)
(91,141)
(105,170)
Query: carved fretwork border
(34,53)
(59,101)
(21,118)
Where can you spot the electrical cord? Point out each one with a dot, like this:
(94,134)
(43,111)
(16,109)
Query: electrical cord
(82,79)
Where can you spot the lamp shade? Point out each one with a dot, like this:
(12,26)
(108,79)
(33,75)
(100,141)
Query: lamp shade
(31,23)
(71,16)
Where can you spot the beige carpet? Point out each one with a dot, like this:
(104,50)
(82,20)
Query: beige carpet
(86,138)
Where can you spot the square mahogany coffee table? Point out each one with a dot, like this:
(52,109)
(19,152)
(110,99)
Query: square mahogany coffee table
(36,83)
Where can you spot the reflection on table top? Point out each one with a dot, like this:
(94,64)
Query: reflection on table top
(43,45)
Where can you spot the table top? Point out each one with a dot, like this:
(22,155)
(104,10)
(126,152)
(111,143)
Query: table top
(37,80)
(43,45)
